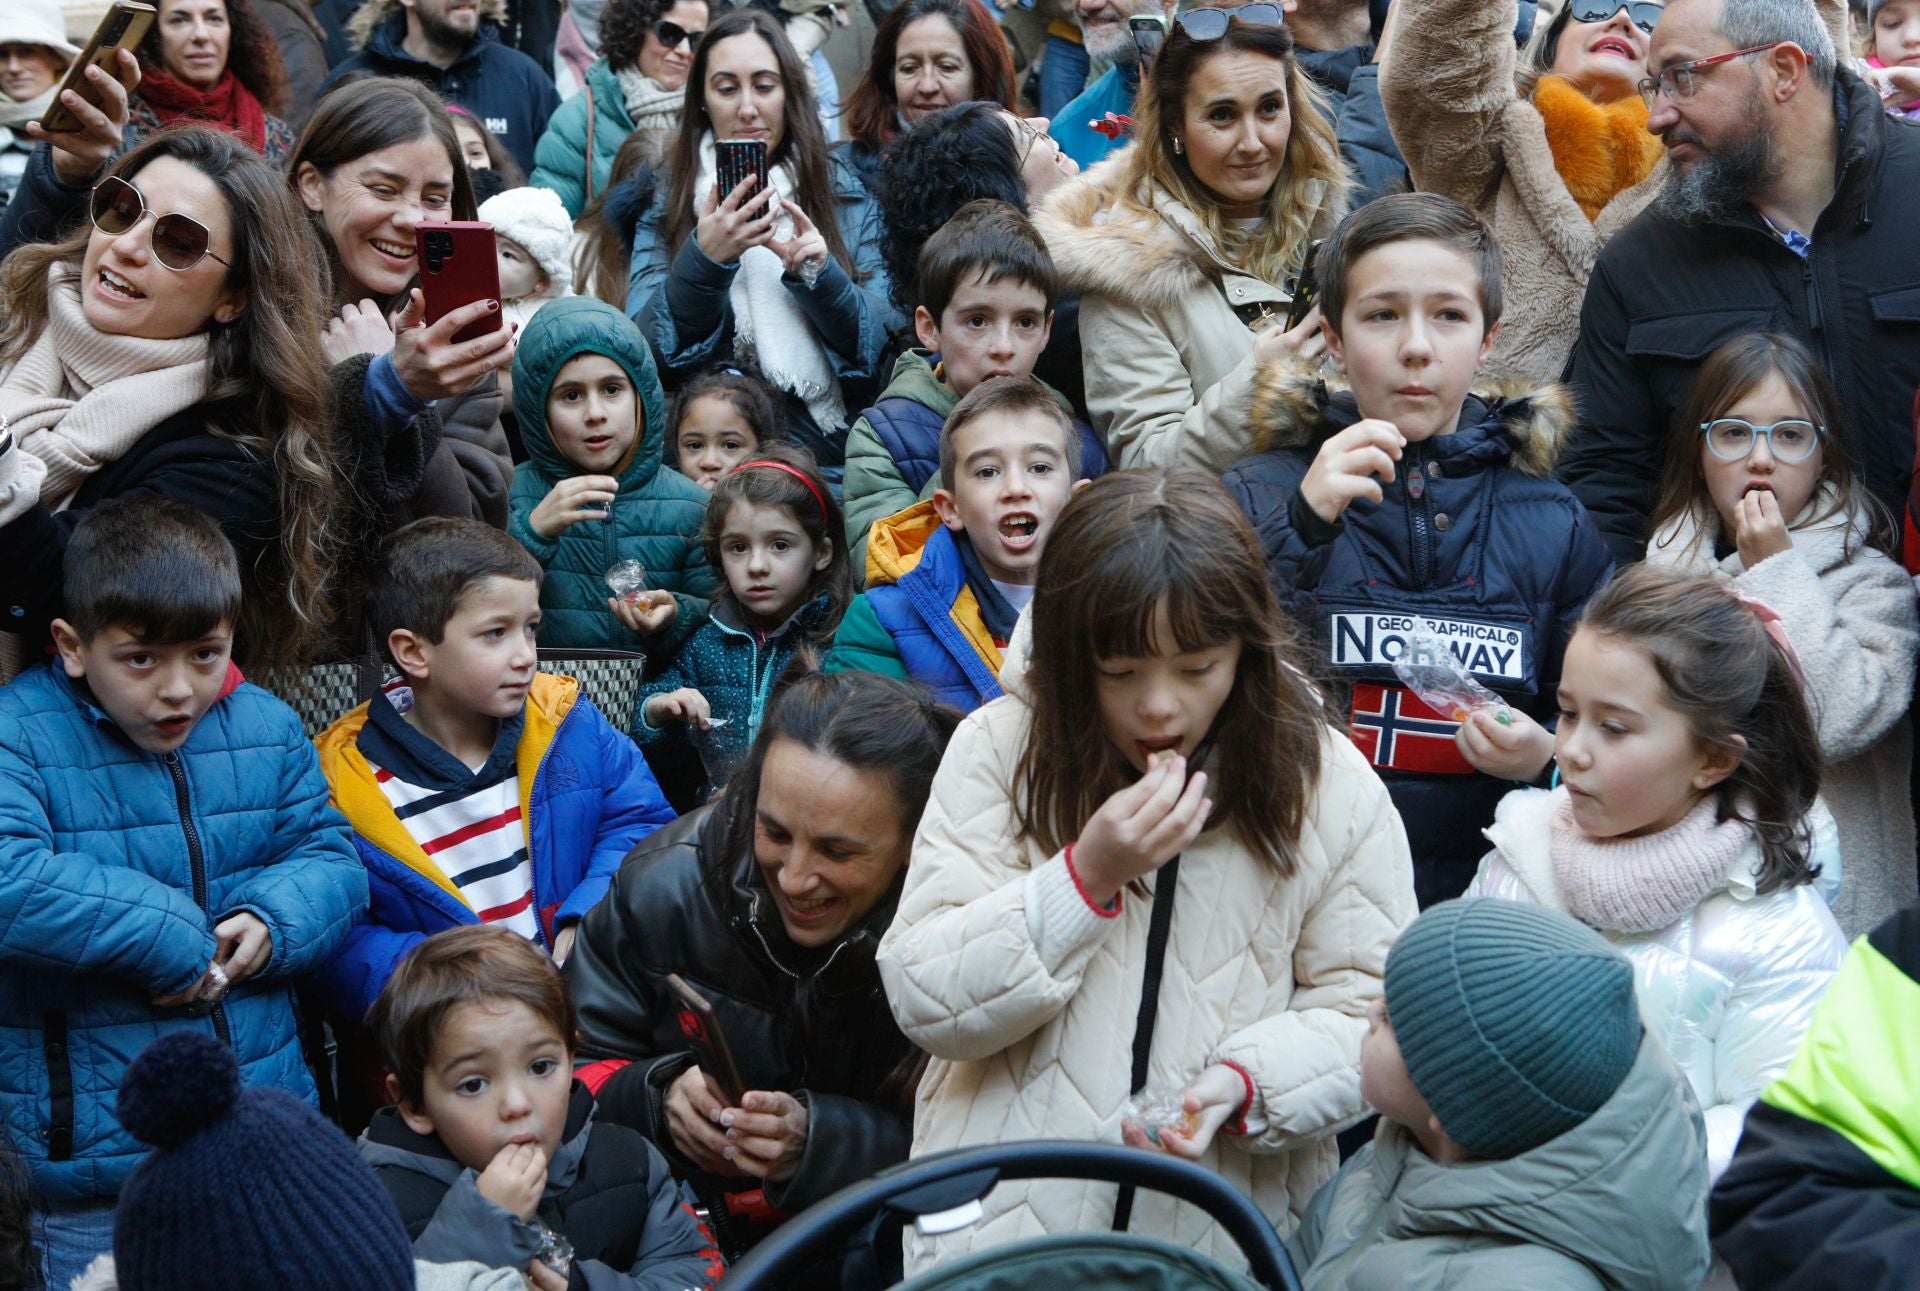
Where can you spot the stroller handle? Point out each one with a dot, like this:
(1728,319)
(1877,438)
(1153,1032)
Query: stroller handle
(974,1172)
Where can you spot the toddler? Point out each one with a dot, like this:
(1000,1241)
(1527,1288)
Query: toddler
(1893,58)
(721,417)
(533,241)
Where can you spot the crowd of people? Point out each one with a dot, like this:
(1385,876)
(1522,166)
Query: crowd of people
(1324,588)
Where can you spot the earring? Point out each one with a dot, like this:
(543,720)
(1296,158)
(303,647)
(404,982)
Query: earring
(1178,147)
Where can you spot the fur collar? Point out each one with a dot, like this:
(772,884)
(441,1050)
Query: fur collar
(1600,150)
(1297,407)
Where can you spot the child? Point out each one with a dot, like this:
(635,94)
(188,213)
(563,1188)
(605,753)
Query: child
(1689,767)
(721,417)
(1894,55)
(168,861)
(593,492)
(1159,731)
(479,789)
(773,533)
(986,289)
(1758,492)
(485,155)
(492,1153)
(947,579)
(533,242)
(1409,498)
(1532,1133)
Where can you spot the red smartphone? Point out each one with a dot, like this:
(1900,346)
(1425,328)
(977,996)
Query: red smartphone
(701,1026)
(457,267)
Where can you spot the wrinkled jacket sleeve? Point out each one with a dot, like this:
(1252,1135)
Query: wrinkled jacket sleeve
(1267,490)
(863,644)
(874,488)
(682,672)
(631,807)
(467,1225)
(1586,567)
(1446,83)
(1611,459)
(680,302)
(560,158)
(676,1253)
(853,319)
(42,207)
(528,491)
(351,979)
(1305,1062)
(472,437)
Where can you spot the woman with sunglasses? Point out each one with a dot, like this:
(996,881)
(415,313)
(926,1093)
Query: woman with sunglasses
(1184,249)
(638,85)
(927,55)
(788,278)
(213,61)
(167,347)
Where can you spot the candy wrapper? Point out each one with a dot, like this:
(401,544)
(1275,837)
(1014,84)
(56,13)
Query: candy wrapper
(627,578)
(556,1252)
(1153,1114)
(1430,671)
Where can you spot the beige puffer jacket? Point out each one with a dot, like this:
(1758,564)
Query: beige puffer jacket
(1025,997)
(1166,323)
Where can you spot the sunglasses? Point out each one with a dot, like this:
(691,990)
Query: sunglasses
(672,34)
(1642,15)
(179,241)
(1211,24)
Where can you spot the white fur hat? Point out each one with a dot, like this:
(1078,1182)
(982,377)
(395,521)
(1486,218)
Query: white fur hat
(36,22)
(538,220)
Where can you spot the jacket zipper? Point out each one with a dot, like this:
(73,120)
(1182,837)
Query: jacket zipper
(1417,508)
(183,801)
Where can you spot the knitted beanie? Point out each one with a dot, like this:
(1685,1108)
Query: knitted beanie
(538,220)
(246,1189)
(1515,1022)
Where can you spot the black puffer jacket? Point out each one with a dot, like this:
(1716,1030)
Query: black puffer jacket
(813,1023)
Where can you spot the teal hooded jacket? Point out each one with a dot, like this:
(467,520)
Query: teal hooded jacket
(656,512)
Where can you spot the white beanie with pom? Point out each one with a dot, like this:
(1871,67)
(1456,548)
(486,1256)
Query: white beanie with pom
(537,219)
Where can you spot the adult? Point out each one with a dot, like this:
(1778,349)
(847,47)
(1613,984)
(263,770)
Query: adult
(1783,209)
(167,347)
(1105,36)
(212,61)
(771,904)
(636,87)
(1184,248)
(34,55)
(927,55)
(302,44)
(454,48)
(790,278)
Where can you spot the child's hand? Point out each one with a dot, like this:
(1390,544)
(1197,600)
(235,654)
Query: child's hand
(357,329)
(693,1122)
(1518,749)
(515,1178)
(1142,827)
(683,705)
(645,612)
(1347,465)
(1895,84)
(563,943)
(1305,345)
(576,498)
(766,1134)
(1213,1099)
(542,1278)
(209,986)
(1759,530)
(244,945)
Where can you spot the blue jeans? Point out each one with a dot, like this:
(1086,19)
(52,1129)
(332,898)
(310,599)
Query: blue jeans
(68,1236)
(1063,74)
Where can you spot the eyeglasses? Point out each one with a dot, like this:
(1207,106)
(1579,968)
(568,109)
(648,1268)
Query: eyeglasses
(1028,134)
(1731,439)
(1211,24)
(179,241)
(1641,15)
(1676,82)
(671,34)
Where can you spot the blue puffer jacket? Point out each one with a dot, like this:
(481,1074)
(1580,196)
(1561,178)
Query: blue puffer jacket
(1472,535)
(115,864)
(586,796)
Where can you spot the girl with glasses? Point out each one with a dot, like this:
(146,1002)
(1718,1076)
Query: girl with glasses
(646,49)
(1759,492)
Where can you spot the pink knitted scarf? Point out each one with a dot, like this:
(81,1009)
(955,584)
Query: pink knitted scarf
(1646,883)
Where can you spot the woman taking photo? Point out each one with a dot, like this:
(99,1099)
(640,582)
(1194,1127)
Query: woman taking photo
(636,87)
(789,279)
(927,55)
(215,62)
(1184,248)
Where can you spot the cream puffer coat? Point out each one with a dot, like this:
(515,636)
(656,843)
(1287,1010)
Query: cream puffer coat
(1849,612)
(998,967)
(1166,322)
(1730,986)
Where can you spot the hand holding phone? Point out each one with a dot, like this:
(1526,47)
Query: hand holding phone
(1306,288)
(1149,34)
(123,26)
(737,159)
(700,1025)
(459,266)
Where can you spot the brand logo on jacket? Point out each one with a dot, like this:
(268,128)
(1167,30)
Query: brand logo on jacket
(1375,640)
(1398,732)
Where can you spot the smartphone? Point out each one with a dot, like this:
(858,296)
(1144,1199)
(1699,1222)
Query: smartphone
(1306,289)
(708,1043)
(122,27)
(1149,34)
(735,159)
(457,267)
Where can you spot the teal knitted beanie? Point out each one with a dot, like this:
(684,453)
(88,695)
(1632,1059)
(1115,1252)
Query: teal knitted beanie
(1515,1022)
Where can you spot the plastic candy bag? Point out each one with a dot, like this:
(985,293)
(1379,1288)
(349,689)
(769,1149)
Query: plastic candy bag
(1430,671)
(627,578)
(1153,1114)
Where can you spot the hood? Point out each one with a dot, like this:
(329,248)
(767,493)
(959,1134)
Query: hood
(1295,406)
(1629,1162)
(896,543)
(1824,535)
(564,330)
(363,28)
(390,1141)
(913,379)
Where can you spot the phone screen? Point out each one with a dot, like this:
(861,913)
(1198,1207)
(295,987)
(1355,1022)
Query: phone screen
(1149,34)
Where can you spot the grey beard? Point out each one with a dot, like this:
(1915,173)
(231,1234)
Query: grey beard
(1719,184)
(1116,47)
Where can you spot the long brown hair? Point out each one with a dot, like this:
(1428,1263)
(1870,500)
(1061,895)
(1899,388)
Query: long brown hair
(253,56)
(803,144)
(603,258)
(793,482)
(1124,546)
(873,109)
(267,385)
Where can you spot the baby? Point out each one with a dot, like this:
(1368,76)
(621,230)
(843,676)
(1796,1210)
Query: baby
(533,237)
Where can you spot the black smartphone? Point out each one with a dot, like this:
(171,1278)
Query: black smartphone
(708,1043)
(1306,289)
(1149,34)
(735,159)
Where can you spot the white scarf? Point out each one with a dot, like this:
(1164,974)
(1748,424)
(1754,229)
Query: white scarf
(768,324)
(16,113)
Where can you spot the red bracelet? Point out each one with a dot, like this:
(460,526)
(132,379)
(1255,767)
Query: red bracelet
(1238,1126)
(1104,911)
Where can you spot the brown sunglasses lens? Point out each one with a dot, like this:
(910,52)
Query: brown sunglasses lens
(179,242)
(116,206)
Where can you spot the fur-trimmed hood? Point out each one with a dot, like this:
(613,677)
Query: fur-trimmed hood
(1297,407)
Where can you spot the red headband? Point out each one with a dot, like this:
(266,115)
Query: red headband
(798,475)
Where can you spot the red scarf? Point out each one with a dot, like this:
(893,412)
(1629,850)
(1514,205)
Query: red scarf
(228,104)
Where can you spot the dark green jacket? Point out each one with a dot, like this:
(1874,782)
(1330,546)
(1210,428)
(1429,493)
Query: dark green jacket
(560,160)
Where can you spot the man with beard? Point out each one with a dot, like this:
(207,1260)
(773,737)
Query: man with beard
(445,45)
(1105,36)
(1788,208)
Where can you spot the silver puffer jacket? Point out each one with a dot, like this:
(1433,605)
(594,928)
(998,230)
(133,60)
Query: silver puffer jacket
(1730,986)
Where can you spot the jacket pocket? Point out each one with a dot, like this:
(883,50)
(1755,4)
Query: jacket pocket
(1691,337)
(1897,305)
(59,1058)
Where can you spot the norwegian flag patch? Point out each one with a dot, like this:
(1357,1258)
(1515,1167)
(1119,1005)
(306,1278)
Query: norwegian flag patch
(1398,732)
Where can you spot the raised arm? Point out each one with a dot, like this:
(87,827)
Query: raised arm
(1446,80)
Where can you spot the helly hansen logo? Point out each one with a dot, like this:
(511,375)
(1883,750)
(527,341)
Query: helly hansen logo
(497,125)
(1370,640)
